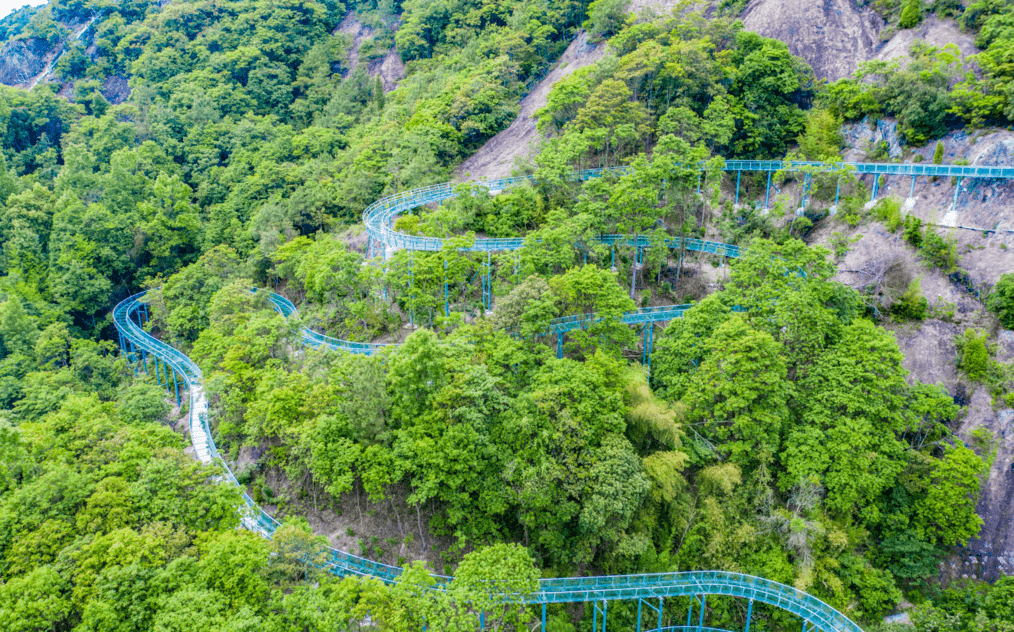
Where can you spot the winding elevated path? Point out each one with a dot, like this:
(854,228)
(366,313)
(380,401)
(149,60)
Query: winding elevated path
(647,589)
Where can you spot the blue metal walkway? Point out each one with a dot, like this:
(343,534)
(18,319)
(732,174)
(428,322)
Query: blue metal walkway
(647,590)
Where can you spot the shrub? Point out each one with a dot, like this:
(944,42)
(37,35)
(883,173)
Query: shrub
(938,153)
(912,305)
(973,354)
(605,18)
(911,14)
(1001,300)
(888,210)
(943,253)
(913,231)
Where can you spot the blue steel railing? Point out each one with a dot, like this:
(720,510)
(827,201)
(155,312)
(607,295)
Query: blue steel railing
(377,217)
(135,340)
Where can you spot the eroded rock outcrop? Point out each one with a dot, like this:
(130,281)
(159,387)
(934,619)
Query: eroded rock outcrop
(22,60)
(832,35)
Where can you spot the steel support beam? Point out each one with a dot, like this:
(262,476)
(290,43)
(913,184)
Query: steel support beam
(767,192)
(739,174)
(749,613)
(957,190)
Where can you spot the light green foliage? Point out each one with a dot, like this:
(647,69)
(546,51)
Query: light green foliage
(490,572)
(821,138)
(888,210)
(781,438)
(911,14)
(187,294)
(852,415)
(588,289)
(973,355)
(938,153)
(1001,300)
(738,394)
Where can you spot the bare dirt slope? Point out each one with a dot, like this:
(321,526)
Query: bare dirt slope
(833,35)
(521,140)
(389,68)
(359,32)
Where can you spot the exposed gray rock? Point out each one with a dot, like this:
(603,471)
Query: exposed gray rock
(832,35)
(115,89)
(22,60)
(862,137)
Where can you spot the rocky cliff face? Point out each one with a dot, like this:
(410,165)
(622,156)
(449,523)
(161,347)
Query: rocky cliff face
(22,60)
(833,35)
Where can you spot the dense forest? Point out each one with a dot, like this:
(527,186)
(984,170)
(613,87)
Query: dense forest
(775,433)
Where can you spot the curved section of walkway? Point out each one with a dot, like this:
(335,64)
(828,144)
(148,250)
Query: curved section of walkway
(136,343)
(379,216)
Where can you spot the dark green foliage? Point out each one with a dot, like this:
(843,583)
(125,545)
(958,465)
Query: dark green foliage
(1001,300)
(940,251)
(918,95)
(778,439)
(912,305)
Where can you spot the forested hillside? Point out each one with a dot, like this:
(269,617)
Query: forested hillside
(198,149)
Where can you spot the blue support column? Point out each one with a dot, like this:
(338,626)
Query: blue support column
(544,618)
(411,290)
(739,174)
(806,189)
(699,174)
(911,192)
(144,361)
(482,620)
(767,193)
(447,306)
(837,191)
(613,263)
(749,613)
(659,613)
(957,190)
(488,287)
(651,343)
(690,610)
(605,611)
(559,345)
(133,355)
(700,620)
(176,385)
(638,628)
(595,616)
(876,187)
